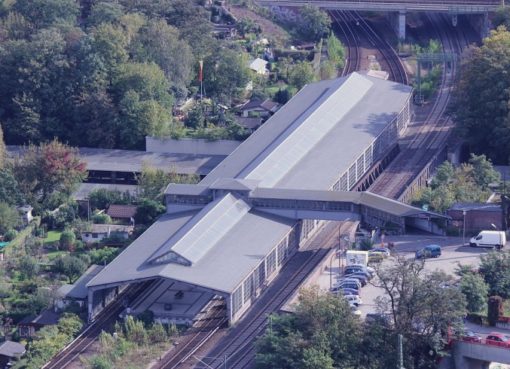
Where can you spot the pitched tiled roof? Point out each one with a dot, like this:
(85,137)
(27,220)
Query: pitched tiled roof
(122,211)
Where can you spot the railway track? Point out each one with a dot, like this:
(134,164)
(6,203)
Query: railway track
(350,39)
(81,343)
(350,23)
(238,346)
(399,179)
(196,338)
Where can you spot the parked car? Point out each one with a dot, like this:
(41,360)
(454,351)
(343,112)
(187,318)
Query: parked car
(349,291)
(375,257)
(354,299)
(470,336)
(381,250)
(498,339)
(361,278)
(360,273)
(344,291)
(430,251)
(348,284)
(349,280)
(354,268)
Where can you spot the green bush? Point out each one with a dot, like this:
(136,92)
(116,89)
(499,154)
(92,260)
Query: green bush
(10,235)
(101,219)
(67,240)
(100,362)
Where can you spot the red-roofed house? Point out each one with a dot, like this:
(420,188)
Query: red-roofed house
(122,212)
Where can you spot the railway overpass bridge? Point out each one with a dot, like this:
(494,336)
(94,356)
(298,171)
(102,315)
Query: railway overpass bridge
(470,355)
(397,9)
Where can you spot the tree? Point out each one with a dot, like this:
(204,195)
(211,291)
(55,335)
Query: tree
(160,43)
(466,183)
(328,70)
(45,13)
(102,198)
(336,51)
(495,268)
(9,189)
(225,74)
(67,240)
(481,106)
(321,334)
(423,307)
(9,217)
(105,12)
(148,211)
(502,17)
(314,23)
(145,104)
(28,267)
(70,266)
(475,290)
(301,74)
(195,118)
(152,182)
(49,173)
(483,172)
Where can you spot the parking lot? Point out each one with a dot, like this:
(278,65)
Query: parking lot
(453,253)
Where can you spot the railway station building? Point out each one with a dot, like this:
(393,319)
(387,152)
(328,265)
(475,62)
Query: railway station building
(223,240)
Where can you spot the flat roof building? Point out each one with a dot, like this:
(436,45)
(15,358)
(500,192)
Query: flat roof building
(231,233)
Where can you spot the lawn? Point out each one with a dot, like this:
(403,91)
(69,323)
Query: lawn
(51,237)
(55,254)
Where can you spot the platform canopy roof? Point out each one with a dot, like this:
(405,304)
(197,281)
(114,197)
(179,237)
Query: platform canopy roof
(202,253)
(317,135)
(304,146)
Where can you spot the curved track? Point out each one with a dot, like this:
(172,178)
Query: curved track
(352,24)
(350,39)
(431,136)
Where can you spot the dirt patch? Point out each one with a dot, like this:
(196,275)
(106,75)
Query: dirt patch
(269,28)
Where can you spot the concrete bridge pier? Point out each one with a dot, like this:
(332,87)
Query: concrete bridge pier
(454,20)
(398,23)
(481,23)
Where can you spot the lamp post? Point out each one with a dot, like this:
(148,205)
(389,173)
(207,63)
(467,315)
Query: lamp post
(463,227)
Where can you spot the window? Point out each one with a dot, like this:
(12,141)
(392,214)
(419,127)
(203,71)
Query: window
(95,235)
(282,251)
(248,289)
(237,300)
(271,262)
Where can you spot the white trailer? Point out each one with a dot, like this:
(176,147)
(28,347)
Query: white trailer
(356,257)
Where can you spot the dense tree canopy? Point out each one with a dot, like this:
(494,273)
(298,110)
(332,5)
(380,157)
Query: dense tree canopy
(482,97)
(323,332)
(467,183)
(314,23)
(107,76)
(423,306)
(495,268)
(48,174)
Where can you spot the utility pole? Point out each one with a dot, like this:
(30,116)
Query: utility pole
(400,364)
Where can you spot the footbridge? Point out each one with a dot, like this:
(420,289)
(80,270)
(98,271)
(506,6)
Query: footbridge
(470,355)
(397,8)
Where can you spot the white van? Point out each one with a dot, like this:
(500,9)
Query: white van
(495,239)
